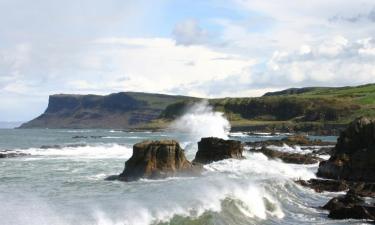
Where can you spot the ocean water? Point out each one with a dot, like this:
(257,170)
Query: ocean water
(62,181)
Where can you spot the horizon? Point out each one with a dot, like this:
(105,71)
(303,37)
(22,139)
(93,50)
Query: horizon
(210,49)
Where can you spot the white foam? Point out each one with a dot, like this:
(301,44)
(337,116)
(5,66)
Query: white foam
(96,151)
(257,164)
(201,121)
(238,134)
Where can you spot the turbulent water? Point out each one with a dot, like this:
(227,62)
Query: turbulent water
(62,181)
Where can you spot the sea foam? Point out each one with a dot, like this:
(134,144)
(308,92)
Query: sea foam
(201,120)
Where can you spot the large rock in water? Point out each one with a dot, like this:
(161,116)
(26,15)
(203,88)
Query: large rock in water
(157,159)
(213,149)
(354,154)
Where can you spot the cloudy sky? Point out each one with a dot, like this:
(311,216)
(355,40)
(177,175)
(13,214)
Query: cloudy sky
(211,48)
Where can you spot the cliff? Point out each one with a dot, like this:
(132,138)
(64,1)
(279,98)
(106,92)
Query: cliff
(120,110)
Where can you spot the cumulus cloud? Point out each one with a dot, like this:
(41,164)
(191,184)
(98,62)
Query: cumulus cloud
(257,46)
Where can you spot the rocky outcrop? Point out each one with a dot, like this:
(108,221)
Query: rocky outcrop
(354,154)
(213,149)
(350,206)
(157,159)
(289,157)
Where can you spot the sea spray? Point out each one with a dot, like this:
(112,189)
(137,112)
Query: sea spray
(200,120)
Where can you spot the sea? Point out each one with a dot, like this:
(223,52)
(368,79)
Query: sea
(62,180)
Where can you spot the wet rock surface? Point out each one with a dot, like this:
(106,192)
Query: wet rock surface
(296,140)
(321,185)
(354,154)
(288,157)
(350,206)
(363,189)
(213,149)
(156,160)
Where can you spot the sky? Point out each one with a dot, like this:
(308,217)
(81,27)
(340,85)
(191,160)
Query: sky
(212,48)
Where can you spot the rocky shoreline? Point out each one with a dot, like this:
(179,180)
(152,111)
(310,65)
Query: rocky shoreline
(349,167)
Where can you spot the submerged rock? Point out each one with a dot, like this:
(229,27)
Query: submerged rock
(295,140)
(289,157)
(354,154)
(11,154)
(321,185)
(213,149)
(362,189)
(157,159)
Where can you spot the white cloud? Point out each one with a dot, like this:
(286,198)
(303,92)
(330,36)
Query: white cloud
(189,32)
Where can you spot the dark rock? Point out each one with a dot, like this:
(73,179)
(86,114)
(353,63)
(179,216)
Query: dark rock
(11,155)
(350,206)
(362,189)
(157,159)
(112,178)
(354,154)
(96,136)
(349,200)
(320,185)
(79,137)
(354,212)
(50,146)
(323,151)
(296,140)
(288,157)
(213,149)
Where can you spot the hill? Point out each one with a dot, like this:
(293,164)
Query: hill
(318,109)
(297,109)
(119,110)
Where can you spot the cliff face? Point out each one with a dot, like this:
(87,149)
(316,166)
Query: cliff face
(120,110)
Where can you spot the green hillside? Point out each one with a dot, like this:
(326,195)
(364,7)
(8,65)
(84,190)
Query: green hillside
(301,109)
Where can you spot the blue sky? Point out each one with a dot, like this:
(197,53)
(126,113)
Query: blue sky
(210,48)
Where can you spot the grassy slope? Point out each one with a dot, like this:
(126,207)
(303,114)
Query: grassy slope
(313,107)
(363,95)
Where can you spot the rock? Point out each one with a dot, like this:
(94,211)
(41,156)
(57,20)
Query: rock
(157,159)
(323,151)
(320,185)
(348,200)
(362,189)
(350,206)
(213,149)
(354,154)
(11,155)
(79,136)
(288,157)
(354,212)
(296,140)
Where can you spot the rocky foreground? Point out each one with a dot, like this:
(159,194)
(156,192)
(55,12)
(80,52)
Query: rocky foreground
(350,168)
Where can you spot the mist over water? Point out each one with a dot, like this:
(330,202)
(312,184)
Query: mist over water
(200,120)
